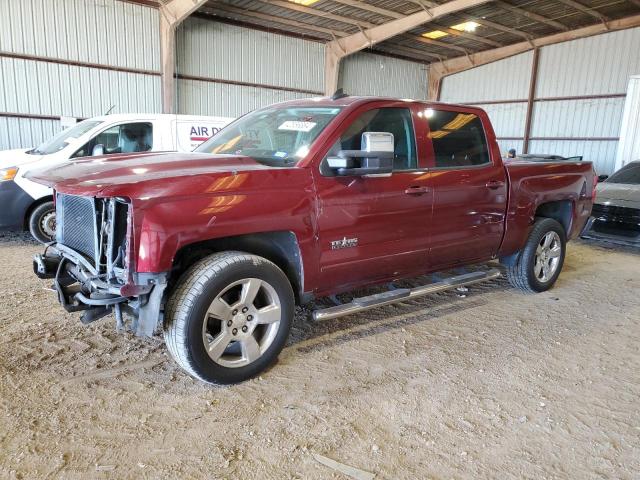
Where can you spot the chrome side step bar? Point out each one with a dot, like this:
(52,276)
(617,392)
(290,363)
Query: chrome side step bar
(394,296)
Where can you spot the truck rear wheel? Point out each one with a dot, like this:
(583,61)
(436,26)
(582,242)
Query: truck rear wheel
(229,317)
(42,222)
(539,263)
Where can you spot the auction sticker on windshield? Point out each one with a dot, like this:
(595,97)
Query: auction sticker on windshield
(297,126)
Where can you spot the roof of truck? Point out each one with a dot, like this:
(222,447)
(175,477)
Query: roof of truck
(349,100)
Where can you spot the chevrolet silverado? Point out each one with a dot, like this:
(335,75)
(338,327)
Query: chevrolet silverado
(295,201)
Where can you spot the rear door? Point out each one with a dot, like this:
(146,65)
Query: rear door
(469,187)
(374,228)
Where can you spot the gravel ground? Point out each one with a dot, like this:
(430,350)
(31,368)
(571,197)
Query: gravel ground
(495,384)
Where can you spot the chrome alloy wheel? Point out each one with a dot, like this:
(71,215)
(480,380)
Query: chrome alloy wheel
(242,322)
(547,257)
(48,224)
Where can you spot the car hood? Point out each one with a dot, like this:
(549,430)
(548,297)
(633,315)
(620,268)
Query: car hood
(618,194)
(139,174)
(17,157)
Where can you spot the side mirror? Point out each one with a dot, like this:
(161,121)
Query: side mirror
(97,150)
(602,178)
(375,158)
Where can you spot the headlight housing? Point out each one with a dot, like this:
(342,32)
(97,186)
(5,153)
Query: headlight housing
(8,173)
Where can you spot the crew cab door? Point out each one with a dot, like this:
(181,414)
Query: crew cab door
(469,187)
(373,228)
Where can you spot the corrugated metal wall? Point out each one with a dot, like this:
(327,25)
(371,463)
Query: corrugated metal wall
(218,99)
(228,69)
(506,79)
(599,65)
(563,121)
(594,65)
(629,145)
(369,74)
(74,58)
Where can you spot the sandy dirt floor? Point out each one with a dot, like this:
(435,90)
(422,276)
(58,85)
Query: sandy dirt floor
(493,385)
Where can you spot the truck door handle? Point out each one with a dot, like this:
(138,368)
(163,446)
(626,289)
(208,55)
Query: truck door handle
(416,190)
(494,184)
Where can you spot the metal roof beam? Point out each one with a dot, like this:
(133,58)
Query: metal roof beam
(496,26)
(370,8)
(531,15)
(584,9)
(470,36)
(483,21)
(318,13)
(241,12)
(340,48)
(222,7)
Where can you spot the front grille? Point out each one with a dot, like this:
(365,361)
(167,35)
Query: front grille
(615,212)
(76,224)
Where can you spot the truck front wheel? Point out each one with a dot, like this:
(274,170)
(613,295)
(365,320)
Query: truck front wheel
(537,266)
(229,317)
(42,222)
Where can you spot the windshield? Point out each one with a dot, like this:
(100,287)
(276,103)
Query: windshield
(273,136)
(62,139)
(629,174)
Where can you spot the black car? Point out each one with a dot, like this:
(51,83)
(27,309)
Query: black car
(616,212)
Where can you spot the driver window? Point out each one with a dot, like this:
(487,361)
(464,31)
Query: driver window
(125,138)
(392,120)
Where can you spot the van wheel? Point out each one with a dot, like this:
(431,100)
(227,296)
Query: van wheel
(539,263)
(229,317)
(42,223)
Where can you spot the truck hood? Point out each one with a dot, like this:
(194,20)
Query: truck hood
(17,157)
(146,174)
(618,194)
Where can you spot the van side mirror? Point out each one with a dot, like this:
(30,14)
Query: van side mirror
(375,158)
(97,150)
(602,178)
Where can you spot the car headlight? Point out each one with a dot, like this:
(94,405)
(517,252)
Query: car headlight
(8,173)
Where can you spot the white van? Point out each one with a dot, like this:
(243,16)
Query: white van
(26,204)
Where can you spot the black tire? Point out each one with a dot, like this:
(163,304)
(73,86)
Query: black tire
(189,303)
(40,222)
(521,273)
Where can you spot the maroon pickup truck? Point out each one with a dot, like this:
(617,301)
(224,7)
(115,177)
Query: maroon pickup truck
(295,201)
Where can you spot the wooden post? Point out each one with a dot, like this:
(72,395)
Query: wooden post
(172,14)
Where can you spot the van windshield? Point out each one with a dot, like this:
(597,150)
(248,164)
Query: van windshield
(273,136)
(62,139)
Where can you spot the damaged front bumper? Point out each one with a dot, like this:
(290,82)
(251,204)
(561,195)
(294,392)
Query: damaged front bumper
(79,288)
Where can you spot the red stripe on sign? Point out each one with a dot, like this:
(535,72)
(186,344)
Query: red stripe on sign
(199,139)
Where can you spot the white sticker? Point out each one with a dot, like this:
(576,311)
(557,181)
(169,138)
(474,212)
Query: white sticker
(297,126)
(280,154)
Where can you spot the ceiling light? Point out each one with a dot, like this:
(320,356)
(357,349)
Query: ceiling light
(435,34)
(306,3)
(466,26)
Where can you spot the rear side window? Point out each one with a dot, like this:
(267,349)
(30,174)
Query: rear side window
(391,120)
(458,139)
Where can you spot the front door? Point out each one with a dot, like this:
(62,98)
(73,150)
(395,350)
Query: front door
(374,228)
(469,190)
